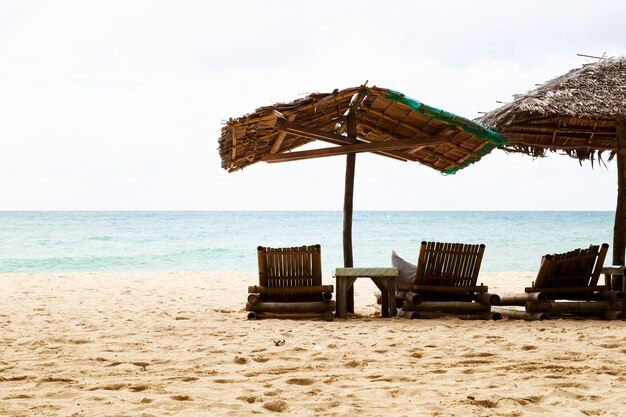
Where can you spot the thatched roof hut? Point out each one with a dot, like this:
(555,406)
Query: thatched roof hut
(358,119)
(433,137)
(575,113)
(582,113)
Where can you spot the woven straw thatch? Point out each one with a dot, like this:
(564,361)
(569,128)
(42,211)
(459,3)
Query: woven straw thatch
(381,115)
(575,113)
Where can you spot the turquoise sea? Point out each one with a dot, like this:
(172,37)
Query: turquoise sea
(226,241)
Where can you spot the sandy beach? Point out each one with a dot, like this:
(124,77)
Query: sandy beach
(156,344)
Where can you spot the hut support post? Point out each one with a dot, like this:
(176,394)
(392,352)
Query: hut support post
(619,231)
(348,200)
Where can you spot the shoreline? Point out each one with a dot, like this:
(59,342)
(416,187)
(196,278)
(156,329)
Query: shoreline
(178,343)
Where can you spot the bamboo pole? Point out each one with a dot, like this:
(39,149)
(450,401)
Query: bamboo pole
(567,290)
(565,307)
(292,307)
(522,299)
(488,298)
(446,306)
(619,229)
(486,315)
(614,315)
(611,296)
(254,298)
(408,314)
(409,296)
(326,315)
(520,315)
(348,200)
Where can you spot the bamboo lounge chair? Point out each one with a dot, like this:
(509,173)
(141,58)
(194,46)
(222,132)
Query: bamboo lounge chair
(566,285)
(290,285)
(445,284)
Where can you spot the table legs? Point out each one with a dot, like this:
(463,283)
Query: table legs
(344,285)
(387,287)
(617,282)
(345,295)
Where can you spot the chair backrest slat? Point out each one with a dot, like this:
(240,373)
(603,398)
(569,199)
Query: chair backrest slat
(576,268)
(449,264)
(455,264)
(297,266)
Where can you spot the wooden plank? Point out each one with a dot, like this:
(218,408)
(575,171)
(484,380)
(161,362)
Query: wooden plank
(334,138)
(366,272)
(595,276)
(281,136)
(233,136)
(347,149)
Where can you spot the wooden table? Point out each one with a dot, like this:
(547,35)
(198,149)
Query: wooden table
(614,276)
(384,278)
(615,281)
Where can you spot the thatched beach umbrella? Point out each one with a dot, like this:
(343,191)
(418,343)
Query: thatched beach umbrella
(359,119)
(582,113)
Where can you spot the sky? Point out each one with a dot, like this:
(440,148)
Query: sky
(118,105)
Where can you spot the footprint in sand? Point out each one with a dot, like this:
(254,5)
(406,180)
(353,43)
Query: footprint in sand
(54,379)
(16,378)
(277,406)
(141,365)
(301,381)
(351,364)
(181,397)
(250,399)
(110,387)
(479,355)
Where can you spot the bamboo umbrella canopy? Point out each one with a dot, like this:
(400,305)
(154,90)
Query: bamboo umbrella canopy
(581,113)
(354,120)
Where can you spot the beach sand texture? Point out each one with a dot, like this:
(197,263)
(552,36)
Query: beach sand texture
(156,344)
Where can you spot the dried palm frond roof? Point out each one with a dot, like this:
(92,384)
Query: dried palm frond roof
(575,113)
(387,123)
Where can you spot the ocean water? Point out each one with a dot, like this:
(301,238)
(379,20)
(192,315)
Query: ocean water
(227,241)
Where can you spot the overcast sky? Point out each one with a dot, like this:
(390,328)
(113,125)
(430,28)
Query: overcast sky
(118,105)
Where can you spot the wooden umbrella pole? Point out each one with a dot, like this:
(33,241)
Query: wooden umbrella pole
(619,230)
(348,261)
(348,200)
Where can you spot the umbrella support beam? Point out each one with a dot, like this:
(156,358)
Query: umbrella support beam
(619,230)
